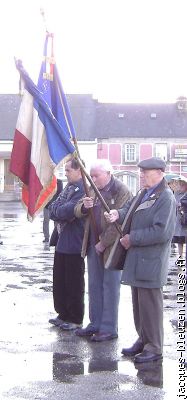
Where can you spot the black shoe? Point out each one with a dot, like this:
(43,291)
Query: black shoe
(85,332)
(147,356)
(132,351)
(101,337)
(69,326)
(56,321)
(1,242)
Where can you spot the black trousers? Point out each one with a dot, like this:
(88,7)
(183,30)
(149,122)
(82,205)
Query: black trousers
(69,287)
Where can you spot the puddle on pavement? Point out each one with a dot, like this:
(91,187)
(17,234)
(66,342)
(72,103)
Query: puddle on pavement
(19,368)
(10,217)
(42,366)
(64,367)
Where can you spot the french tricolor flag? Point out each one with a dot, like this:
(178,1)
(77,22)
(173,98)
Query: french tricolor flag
(41,142)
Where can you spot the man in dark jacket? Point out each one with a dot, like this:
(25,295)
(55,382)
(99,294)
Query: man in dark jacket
(68,270)
(146,264)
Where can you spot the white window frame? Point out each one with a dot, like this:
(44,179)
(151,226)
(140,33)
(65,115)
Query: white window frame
(161,151)
(130,152)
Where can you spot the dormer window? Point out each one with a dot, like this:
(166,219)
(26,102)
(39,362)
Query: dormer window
(182,103)
(153,115)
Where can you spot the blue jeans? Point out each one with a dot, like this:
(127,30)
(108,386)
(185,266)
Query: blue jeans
(104,294)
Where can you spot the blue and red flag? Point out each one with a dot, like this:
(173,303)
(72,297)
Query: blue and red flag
(42,137)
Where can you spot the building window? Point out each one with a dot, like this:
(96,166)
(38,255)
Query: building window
(181,152)
(153,115)
(128,179)
(129,153)
(131,184)
(161,151)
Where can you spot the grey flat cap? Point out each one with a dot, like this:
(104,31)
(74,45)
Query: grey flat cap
(153,163)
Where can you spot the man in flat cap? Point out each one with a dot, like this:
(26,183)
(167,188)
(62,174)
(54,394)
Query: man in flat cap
(148,244)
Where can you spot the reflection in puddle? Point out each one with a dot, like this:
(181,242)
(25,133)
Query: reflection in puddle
(64,367)
(151,373)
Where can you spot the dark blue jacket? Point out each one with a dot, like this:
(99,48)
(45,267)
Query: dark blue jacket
(58,191)
(62,211)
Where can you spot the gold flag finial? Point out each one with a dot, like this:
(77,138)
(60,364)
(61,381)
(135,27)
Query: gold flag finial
(42,12)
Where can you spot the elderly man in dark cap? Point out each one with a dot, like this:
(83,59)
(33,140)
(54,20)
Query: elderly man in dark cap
(148,247)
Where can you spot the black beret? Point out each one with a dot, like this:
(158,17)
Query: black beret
(153,163)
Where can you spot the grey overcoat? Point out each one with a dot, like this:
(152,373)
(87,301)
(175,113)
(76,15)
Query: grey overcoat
(152,228)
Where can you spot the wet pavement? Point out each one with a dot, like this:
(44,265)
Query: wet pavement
(39,361)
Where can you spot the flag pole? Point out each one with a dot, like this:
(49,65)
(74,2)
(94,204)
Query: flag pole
(42,12)
(78,158)
(105,205)
(83,170)
(77,154)
(74,140)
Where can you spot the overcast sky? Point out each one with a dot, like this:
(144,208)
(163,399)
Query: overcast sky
(118,50)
